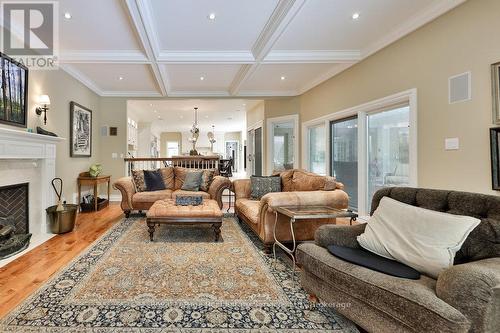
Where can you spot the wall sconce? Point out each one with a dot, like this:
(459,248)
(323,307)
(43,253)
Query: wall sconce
(43,100)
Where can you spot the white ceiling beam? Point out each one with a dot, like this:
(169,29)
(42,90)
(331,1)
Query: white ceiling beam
(312,56)
(140,16)
(206,57)
(279,20)
(103,57)
(270,93)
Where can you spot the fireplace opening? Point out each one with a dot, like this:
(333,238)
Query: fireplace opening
(14,219)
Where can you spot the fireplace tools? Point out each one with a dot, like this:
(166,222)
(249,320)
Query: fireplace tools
(61,216)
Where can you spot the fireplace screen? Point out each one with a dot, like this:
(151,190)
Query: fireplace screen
(14,205)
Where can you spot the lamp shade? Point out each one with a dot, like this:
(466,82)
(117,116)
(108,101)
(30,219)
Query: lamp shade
(44,100)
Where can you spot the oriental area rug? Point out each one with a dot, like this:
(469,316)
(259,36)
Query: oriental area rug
(181,282)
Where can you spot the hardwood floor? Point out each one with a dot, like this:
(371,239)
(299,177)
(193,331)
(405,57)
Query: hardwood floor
(23,276)
(26,274)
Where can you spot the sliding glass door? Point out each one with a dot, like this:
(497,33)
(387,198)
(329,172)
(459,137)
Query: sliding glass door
(344,156)
(388,149)
(384,153)
(317,149)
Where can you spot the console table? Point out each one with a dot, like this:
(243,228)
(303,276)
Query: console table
(84,179)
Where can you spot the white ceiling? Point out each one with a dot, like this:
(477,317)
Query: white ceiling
(228,115)
(163,47)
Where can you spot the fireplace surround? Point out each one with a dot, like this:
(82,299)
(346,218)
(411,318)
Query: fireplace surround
(30,158)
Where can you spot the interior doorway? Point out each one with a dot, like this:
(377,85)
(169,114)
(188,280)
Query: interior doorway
(254,152)
(232,151)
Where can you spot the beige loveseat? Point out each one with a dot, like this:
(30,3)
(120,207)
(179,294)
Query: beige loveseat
(298,188)
(173,177)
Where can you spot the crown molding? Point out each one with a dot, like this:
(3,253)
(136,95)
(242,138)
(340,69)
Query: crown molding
(198,94)
(124,57)
(268,93)
(336,69)
(312,56)
(206,57)
(140,17)
(130,94)
(420,19)
(81,77)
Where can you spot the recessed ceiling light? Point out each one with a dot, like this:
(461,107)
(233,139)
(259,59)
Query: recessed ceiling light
(159,117)
(355,16)
(67,16)
(181,116)
(156,111)
(202,78)
(244,104)
(283,78)
(206,116)
(150,104)
(211,16)
(120,78)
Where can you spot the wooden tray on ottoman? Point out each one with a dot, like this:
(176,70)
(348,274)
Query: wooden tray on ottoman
(166,212)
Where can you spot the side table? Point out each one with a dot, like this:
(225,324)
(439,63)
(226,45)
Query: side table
(305,213)
(84,179)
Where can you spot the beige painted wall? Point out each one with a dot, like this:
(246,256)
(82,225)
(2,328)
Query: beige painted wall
(114,113)
(62,89)
(169,136)
(457,42)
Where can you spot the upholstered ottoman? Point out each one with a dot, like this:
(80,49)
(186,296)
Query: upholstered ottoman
(166,212)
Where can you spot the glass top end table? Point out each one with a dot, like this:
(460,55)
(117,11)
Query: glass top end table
(305,213)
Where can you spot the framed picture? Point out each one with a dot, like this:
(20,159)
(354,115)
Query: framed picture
(80,131)
(13,92)
(495,157)
(495,86)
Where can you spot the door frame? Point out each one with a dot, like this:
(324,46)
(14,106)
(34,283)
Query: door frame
(270,135)
(238,152)
(362,111)
(258,124)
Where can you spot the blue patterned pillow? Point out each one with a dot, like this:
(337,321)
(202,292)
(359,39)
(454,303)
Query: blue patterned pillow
(264,185)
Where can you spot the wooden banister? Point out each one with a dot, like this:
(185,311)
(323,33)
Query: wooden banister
(152,163)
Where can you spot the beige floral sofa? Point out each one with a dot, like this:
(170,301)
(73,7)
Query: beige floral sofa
(134,197)
(298,187)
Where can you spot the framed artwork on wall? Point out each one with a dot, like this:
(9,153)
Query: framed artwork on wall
(495,86)
(495,157)
(13,92)
(80,131)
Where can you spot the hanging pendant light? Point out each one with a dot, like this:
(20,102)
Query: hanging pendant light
(195,133)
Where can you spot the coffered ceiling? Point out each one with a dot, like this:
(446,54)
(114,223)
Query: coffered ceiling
(154,48)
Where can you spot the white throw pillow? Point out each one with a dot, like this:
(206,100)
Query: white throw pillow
(424,239)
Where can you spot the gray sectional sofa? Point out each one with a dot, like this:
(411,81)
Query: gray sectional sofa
(464,298)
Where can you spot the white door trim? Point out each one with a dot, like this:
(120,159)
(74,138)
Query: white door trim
(257,125)
(361,111)
(270,134)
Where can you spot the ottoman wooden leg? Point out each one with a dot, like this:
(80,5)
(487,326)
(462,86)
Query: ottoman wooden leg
(151,229)
(216,231)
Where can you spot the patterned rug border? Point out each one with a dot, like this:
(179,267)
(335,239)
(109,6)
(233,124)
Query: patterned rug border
(346,326)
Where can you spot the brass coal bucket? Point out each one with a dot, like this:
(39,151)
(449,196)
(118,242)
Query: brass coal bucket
(62,217)
(63,220)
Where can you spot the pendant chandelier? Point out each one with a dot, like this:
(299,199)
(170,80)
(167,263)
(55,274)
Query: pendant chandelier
(195,133)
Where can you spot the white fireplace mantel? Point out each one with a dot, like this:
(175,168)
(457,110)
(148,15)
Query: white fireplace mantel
(22,145)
